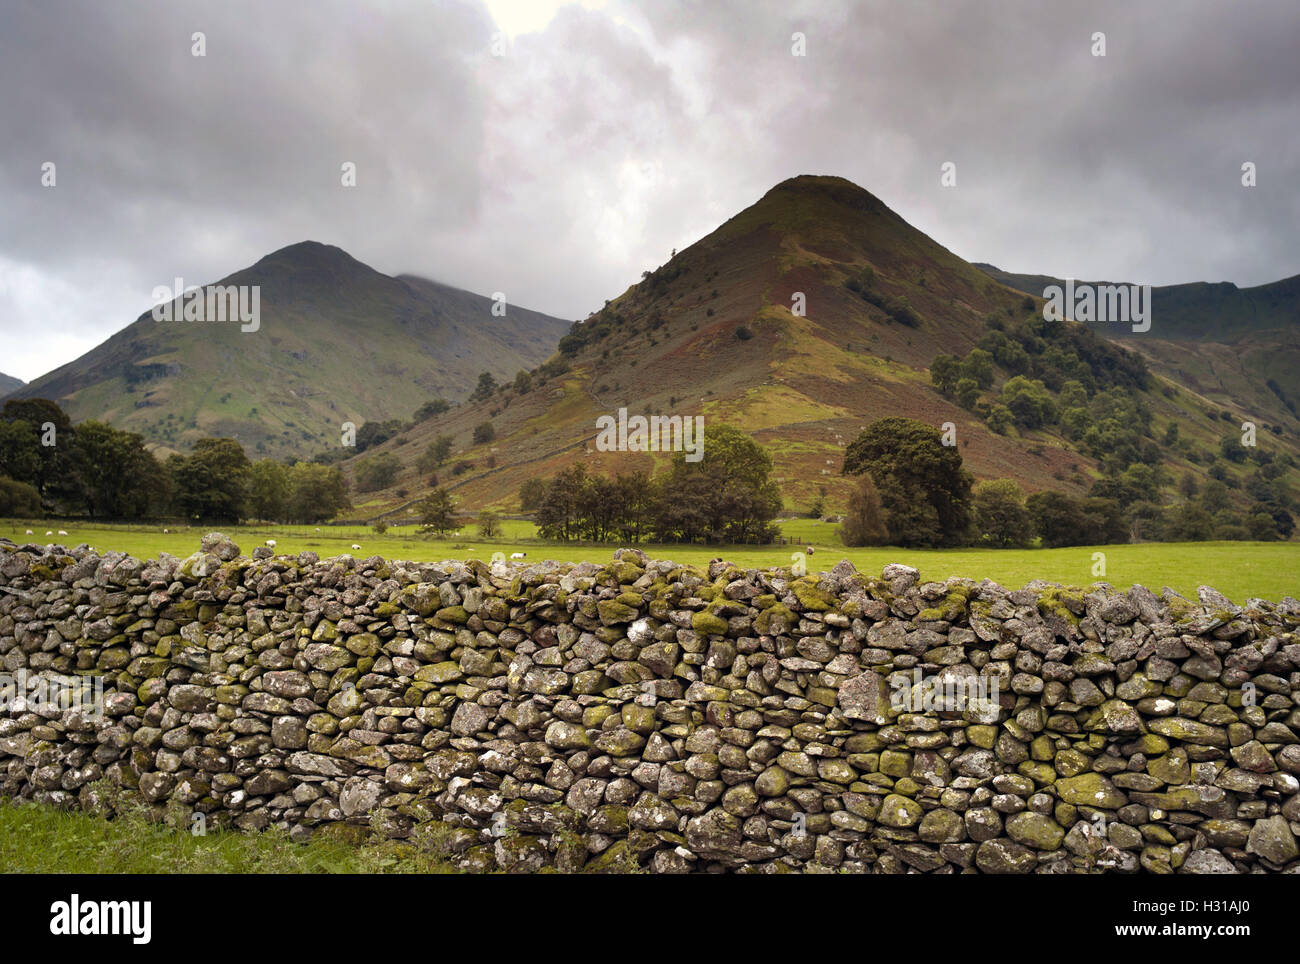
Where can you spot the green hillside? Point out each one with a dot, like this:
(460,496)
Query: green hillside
(337,341)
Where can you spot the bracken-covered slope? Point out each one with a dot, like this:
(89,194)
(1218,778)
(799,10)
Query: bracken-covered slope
(716,331)
(337,341)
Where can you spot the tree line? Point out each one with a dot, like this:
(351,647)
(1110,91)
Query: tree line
(726,497)
(913,491)
(50,466)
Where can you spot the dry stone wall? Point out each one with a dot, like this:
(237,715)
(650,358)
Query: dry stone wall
(642,714)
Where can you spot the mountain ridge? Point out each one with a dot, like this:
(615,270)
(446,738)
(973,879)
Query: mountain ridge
(337,341)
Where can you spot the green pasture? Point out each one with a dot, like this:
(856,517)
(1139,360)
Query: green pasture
(37,839)
(1240,570)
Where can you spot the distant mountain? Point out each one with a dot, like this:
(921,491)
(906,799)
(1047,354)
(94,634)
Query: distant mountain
(800,320)
(336,341)
(9,384)
(1194,312)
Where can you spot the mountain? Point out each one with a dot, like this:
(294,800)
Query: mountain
(1194,312)
(803,318)
(1232,345)
(9,384)
(335,341)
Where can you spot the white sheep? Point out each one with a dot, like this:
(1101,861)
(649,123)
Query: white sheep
(165,531)
(809,549)
(355,546)
(29,531)
(49,532)
(271,543)
(517,555)
(63,532)
(318,528)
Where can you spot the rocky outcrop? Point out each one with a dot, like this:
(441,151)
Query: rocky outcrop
(643,714)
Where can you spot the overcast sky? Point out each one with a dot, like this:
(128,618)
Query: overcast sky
(610,132)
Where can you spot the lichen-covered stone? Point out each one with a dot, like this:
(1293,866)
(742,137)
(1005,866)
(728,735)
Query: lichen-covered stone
(650,716)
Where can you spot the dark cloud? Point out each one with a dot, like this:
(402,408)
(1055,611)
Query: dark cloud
(612,132)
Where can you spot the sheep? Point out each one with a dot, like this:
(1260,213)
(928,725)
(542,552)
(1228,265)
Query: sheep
(63,532)
(49,532)
(29,531)
(271,543)
(355,546)
(165,531)
(809,549)
(318,528)
(517,555)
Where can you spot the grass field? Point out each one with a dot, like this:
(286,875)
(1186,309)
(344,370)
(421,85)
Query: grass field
(37,839)
(1268,570)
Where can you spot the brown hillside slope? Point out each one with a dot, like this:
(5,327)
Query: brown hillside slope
(713,332)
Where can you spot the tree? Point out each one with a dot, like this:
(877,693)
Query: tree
(211,484)
(979,367)
(1075,422)
(38,446)
(317,492)
(1189,523)
(377,472)
(432,458)
(523,382)
(18,498)
(269,490)
(485,389)
(1056,518)
(635,493)
(1029,401)
(1232,449)
(1073,395)
(742,500)
(489,524)
(1061,520)
(923,487)
(531,494)
(431,409)
(999,419)
(484,433)
(119,477)
(864,523)
(945,371)
(1000,514)
(376,433)
(558,514)
(968,393)
(437,512)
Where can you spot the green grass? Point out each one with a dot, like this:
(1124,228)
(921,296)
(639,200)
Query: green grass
(1268,570)
(36,839)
